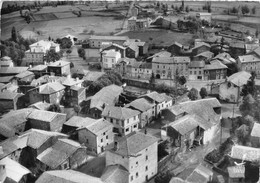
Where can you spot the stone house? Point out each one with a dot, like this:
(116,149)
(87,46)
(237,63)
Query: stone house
(10,101)
(96,41)
(132,50)
(200,48)
(215,71)
(25,78)
(95,134)
(255,135)
(64,154)
(52,92)
(46,120)
(39,70)
(116,47)
(138,154)
(196,69)
(124,120)
(110,58)
(59,68)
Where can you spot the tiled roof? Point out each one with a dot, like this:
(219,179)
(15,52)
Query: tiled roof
(246,153)
(239,78)
(171,60)
(24,74)
(201,44)
(50,88)
(46,116)
(111,53)
(132,144)
(195,64)
(38,68)
(121,113)
(77,121)
(8,147)
(215,65)
(122,38)
(14,170)
(256,52)
(99,125)
(195,177)
(236,171)
(141,104)
(249,58)
(167,98)
(161,54)
(115,174)
(66,176)
(256,130)
(59,63)
(40,105)
(93,75)
(155,97)
(6,79)
(6,95)
(106,95)
(71,81)
(58,153)
(206,54)
(12,70)
(5,58)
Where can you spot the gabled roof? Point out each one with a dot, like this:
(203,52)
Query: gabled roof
(141,104)
(24,74)
(106,95)
(71,81)
(66,176)
(155,97)
(215,65)
(8,148)
(171,60)
(38,68)
(120,113)
(206,54)
(256,52)
(256,130)
(12,70)
(195,177)
(59,63)
(6,95)
(93,75)
(195,64)
(50,88)
(132,144)
(161,54)
(249,58)
(111,53)
(239,78)
(40,105)
(246,153)
(77,121)
(58,153)
(6,79)
(99,125)
(115,174)
(236,171)
(14,170)
(200,45)
(46,116)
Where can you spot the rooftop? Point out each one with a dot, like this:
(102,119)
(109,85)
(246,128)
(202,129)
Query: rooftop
(249,58)
(246,153)
(59,63)
(256,130)
(71,81)
(66,176)
(6,79)
(215,65)
(38,68)
(58,153)
(40,105)
(121,38)
(6,95)
(206,54)
(141,104)
(111,53)
(93,75)
(24,74)
(46,116)
(12,70)
(50,88)
(171,60)
(196,177)
(236,171)
(196,64)
(120,113)
(155,97)
(133,143)
(239,78)
(115,174)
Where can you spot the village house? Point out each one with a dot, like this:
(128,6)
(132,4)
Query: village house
(14,171)
(114,46)
(14,122)
(200,48)
(200,174)
(110,58)
(10,149)
(255,135)
(115,174)
(10,100)
(39,70)
(132,50)
(96,41)
(161,101)
(107,96)
(146,109)
(95,134)
(137,153)
(215,71)
(236,173)
(6,62)
(196,70)
(230,89)
(124,120)
(200,122)
(70,127)
(70,176)
(135,24)
(25,78)
(51,92)
(92,76)
(169,67)
(59,68)
(12,71)
(46,120)
(204,56)
(225,58)
(237,49)
(35,55)
(64,154)
(40,106)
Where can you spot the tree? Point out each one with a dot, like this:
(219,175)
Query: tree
(193,94)
(65,43)
(14,35)
(182,80)
(245,9)
(68,52)
(246,108)
(152,79)
(49,38)
(52,56)
(81,52)
(187,9)
(203,92)
(242,134)
(55,108)
(253,10)
(256,33)
(250,87)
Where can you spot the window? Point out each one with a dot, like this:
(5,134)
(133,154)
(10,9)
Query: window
(136,174)
(101,140)
(195,72)
(123,123)
(164,66)
(135,125)
(199,72)
(111,120)
(127,130)
(117,122)
(87,141)
(146,157)
(65,166)
(158,66)
(104,133)
(190,72)
(146,168)
(132,178)
(136,163)
(107,137)
(127,121)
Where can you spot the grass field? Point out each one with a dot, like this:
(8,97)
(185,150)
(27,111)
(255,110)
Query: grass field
(160,37)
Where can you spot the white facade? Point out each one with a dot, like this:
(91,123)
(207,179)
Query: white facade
(110,58)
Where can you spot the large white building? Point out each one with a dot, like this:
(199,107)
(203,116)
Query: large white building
(110,58)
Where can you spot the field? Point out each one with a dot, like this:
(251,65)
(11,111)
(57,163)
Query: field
(160,37)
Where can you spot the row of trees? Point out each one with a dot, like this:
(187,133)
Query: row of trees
(244,10)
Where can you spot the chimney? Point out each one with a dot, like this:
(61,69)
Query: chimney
(116,146)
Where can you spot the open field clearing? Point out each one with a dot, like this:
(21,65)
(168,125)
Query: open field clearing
(160,37)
